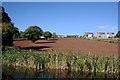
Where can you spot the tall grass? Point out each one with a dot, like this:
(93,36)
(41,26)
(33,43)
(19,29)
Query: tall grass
(60,60)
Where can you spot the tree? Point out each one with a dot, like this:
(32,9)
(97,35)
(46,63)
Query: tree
(16,36)
(118,34)
(21,34)
(54,35)
(8,28)
(33,33)
(4,15)
(47,34)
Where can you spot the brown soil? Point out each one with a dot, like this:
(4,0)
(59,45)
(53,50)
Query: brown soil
(28,44)
(71,45)
(87,46)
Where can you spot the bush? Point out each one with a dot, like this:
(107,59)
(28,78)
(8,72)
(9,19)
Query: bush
(111,41)
(54,35)
(47,34)
(117,35)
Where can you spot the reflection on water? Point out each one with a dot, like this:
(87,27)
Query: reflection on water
(10,73)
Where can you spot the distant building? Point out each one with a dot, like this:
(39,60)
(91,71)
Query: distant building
(88,35)
(101,35)
(110,35)
(60,36)
(42,37)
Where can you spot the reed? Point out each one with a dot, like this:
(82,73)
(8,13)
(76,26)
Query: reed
(60,60)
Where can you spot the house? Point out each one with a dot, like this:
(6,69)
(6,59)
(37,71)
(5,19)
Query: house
(60,36)
(110,35)
(42,37)
(101,35)
(88,35)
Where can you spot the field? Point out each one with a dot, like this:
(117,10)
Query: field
(74,45)
(75,54)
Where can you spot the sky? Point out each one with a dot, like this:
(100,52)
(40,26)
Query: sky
(65,18)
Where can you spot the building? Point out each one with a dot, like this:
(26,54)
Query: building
(42,37)
(101,35)
(110,35)
(88,35)
(60,36)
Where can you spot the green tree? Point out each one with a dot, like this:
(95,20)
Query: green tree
(8,28)
(47,35)
(118,34)
(54,35)
(21,35)
(4,16)
(33,33)
(16,36)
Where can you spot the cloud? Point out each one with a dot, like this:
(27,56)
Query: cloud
(114,27)
(103,27)
(108,27)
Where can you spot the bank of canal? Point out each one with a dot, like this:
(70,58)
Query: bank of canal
(11,73)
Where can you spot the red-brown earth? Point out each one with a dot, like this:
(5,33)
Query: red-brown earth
(71,45)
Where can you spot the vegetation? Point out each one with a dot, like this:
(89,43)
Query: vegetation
(111,42)
(72,36)
(52,60)
(10,32)
(4,16)
(33,33)
(60,60)
(118,34)
(47,35)
(54,35)
(8,28)
(21,35)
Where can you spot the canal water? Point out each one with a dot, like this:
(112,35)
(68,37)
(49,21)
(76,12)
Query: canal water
(10,73)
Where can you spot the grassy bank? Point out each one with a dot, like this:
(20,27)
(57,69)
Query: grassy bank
(56,60)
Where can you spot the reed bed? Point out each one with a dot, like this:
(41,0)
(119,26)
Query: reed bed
(60,60)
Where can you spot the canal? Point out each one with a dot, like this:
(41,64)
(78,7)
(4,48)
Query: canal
(11,73)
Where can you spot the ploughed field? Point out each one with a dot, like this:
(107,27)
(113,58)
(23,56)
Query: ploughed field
(74,45)
(87,46)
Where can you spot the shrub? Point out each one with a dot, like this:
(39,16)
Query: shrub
(47,34)
(111,41)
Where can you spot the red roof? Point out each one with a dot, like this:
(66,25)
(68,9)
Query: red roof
(88,33)
(100,32)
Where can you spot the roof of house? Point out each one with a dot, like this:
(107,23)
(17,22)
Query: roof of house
(88,32)
(100,32)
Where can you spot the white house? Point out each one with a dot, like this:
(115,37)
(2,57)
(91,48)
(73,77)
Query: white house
(101,35)
(60,36)
(88,34)
(110,35)
(42,37)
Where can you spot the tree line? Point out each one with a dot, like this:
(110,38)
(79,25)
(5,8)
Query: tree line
(11,32)
(34,33)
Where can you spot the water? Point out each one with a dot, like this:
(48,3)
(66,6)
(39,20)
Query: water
(10,73)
